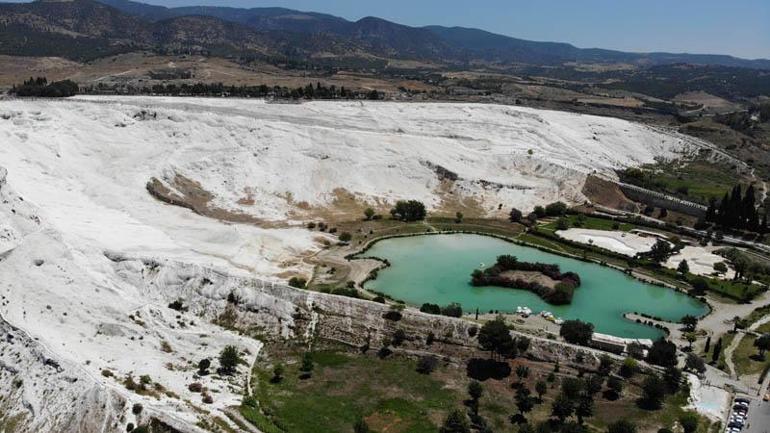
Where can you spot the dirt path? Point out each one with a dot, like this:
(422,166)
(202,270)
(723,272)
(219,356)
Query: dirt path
(736,341)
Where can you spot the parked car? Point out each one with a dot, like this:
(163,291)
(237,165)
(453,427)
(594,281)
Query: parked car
(742,400)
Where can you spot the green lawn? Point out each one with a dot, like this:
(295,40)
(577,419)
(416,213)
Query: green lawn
(587,222)
(387,393)
(696,180)
(743,357)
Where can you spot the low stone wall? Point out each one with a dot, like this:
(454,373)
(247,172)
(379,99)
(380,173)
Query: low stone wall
(660,200)
(273,310)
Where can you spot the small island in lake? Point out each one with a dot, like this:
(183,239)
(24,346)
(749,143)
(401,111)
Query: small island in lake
(545,280)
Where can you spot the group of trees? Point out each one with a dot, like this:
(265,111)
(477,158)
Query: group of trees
(737,211)
(555,209)
(495,337)
(408,210)
(40,87)
(452,310)
(319,91)
(560,294)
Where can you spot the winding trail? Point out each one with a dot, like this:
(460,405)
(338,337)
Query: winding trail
(737,340)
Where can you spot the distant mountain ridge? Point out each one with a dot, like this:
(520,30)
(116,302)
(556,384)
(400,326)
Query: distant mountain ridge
(84,29)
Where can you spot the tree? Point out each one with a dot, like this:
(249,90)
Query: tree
(459,217)
(541,388)
(430,308)
(662,353)
(571,387)
(605,365)
(653,392)
(628,368)
(524,401)
(229,359)
(368,213)
(455,422)
(615,386)
(495,337)
(562,224)
(695,363)
(475,391)
(683,267)
(621,426)
(689,422)
(411,210)
(515,215)
(562,408)
(690,337)
(762,344)
(307,363)
(690,322)
(539,211)
(278,371)
(660,251)
(522,372)
(593,384)
(717,350)
(345,237)
(522,344)
(426,364)
(672,378)
(298,282)
(720,267)
(203,366)
(584,408)
(556,209)
(577,332)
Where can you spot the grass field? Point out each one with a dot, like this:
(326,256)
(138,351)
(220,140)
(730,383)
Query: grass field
(389,394)
(744,355)
(587,222)
(392,397)
(697,180)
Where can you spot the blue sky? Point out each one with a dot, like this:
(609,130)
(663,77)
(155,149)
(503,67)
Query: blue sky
(737,27)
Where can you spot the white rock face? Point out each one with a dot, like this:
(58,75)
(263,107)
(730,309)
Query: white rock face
(73,199)
(628,244)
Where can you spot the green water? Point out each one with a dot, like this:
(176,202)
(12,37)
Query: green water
(437,269)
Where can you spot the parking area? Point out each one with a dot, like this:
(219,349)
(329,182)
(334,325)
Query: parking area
(758,419)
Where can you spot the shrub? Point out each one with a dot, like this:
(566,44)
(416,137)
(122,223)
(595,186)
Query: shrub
(398,337)
(136,409)
(345,237)
(298,282)
(203,366)
(195,387)
(207,399)
(430,308)
(452,310)
(426,364)
(229,359)
(177,305)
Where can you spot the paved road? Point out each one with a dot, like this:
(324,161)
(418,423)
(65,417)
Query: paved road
(759,417)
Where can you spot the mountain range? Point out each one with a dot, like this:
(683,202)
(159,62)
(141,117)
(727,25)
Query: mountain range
(87,29)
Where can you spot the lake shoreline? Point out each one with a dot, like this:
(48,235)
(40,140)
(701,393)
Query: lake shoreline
(385,263)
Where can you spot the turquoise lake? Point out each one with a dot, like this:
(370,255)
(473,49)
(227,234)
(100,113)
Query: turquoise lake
(437,269)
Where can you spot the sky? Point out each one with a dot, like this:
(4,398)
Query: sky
(736,27)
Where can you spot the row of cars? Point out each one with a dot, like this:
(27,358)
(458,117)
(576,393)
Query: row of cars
(738,415)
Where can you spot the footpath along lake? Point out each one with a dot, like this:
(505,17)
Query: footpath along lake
(437,269)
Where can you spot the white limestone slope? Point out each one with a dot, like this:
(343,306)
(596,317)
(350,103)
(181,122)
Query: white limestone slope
(73,201)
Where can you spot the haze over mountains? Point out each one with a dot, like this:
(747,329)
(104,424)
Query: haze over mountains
(86,29)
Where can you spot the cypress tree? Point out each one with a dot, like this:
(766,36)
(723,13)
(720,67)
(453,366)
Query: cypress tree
(717,351)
